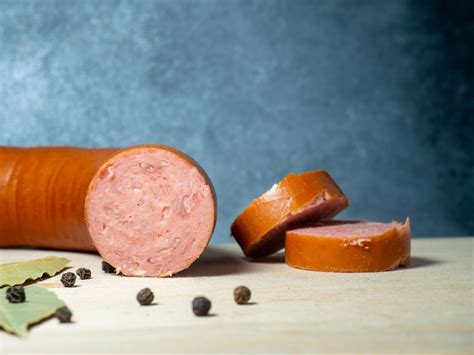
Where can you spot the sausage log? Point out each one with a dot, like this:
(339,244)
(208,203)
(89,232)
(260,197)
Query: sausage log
(148,210)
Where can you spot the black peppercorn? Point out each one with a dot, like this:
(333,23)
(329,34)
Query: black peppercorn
(16,294)
(145,297)
(68,279)
(64,314)
(201,306)
(83,273)
(109,269)
(242,295)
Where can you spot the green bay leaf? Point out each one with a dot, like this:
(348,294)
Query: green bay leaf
(19,272)
(40,304)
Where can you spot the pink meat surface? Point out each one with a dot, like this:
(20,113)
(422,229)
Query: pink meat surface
(150,212)
(347,229)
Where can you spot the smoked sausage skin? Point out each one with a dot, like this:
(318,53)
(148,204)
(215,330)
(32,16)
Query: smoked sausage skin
(42,193)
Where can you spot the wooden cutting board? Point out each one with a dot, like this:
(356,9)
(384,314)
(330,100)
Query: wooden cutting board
(425,308)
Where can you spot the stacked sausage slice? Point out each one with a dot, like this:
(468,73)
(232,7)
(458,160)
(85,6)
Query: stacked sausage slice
(296,214)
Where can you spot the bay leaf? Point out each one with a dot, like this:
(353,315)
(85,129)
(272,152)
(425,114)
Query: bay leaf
(18,273)
(39,304)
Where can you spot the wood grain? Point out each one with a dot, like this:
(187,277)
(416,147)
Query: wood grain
(425,308)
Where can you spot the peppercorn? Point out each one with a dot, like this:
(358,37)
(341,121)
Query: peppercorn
(16,294)
(68,279)
(145,297)
(83,273)
(109,269)
(242,295)
(63,314)
(201,306)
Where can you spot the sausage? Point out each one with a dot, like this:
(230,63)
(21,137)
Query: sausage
(349,246)
(148,210)
(310,196)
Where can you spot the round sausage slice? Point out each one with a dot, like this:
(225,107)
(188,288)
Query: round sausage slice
(349,246)
(310,196)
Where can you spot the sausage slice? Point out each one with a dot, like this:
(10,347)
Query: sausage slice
(310,196)
(349,246)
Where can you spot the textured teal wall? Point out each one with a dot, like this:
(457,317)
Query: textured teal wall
(376,92)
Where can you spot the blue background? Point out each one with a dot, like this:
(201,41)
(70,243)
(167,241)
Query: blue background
(379,93)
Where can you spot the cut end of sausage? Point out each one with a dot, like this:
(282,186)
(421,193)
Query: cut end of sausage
(150,211)
(349,246)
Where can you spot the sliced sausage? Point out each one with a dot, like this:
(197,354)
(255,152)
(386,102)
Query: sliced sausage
(349,246)
(310,196)
(148,210)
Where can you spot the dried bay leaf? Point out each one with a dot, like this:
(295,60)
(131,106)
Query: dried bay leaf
(39,304)
(19,272)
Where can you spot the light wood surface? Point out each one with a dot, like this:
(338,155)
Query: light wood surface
(425,308)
